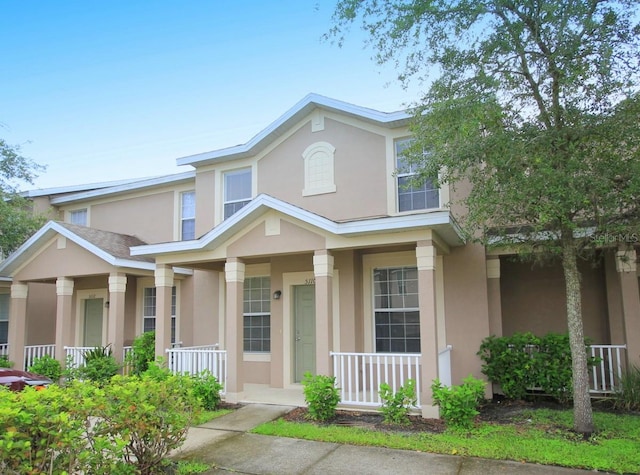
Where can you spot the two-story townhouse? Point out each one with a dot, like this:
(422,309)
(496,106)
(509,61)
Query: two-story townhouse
(301,250)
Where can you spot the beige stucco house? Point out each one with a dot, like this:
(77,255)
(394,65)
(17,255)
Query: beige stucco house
(300,250)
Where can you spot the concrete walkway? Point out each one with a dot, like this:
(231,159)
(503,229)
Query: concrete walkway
(224,443)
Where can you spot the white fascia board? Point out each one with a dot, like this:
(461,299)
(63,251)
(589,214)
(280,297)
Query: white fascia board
(48,231)
(263,203)
(308,102)
(127,187)
(73,188)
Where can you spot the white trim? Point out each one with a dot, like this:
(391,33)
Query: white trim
(262,357)
(299,110)
(370,262)
(262,203)
(126,187)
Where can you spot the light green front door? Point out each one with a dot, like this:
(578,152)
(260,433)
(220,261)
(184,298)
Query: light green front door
(304,330)
(93,309)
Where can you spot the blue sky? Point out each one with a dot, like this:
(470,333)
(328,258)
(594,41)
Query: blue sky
(105,90)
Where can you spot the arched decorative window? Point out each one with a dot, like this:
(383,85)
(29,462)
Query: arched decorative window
(319,169)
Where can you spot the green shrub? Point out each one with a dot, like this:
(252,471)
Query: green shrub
(395,407)
(127,426)
(627,395)
(321,395)
(206,389)
(151,416)
(99,365)
(4,362)
(459,404)
(47,366)
(523,362)
(49,432)
(157,370)
(143,353)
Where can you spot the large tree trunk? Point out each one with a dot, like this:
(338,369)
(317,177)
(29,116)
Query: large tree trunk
(582,412)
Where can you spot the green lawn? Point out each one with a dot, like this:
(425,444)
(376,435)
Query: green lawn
(539,436)
(206,416)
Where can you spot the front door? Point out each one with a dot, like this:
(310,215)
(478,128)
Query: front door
(93,309)
(304,331)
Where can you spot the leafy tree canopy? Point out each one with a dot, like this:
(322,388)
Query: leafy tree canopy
(535,104)
(17,220)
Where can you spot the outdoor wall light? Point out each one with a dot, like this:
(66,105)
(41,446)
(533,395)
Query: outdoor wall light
(277,294)
(106,304)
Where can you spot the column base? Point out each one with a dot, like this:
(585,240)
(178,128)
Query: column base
(234,398)
(430,412)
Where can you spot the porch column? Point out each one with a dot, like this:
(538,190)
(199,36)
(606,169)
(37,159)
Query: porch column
(426,260)
(115,328)
(493,295)
(18,323)
(234,276)
(626,267)
(164,284)
(64,317)
(323,272)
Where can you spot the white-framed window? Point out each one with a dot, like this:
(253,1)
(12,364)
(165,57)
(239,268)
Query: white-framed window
(411,197)
(187,215)
(257,314)
(149,310)
(5,299)
(78,216)
(396,310)
(319,169)
(237,190)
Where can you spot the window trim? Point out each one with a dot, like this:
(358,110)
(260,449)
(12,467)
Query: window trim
(224,188)
(398,175)
(145,283)
(391,309)
(69,216)
(369,263)
(183,219)
(255,314)
(325,153)
(2,320)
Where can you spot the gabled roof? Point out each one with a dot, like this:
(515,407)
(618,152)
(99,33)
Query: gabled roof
(127,187)
(60,190)
(288,119)
(113,248)
(440,221)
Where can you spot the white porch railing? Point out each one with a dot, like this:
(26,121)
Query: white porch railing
(196,359)
(37,351)
(605,376)
(76,354)
(359,375)
(4,349)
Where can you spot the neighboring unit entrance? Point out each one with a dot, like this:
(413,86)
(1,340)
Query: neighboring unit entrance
(93,309)
(304,330)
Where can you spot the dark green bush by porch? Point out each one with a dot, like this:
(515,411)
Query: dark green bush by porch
(47,366)
(523,362)
(321,395)
(144,352)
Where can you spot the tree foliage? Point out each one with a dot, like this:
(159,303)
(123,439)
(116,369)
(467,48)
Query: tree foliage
(535,104)
(17,220)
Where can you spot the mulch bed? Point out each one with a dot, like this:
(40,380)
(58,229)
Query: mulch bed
(497,412)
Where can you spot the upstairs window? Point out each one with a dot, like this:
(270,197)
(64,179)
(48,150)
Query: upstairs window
(188,215)
(78,216)
(257,314)
(237,191)
(411,197)
(396,310)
